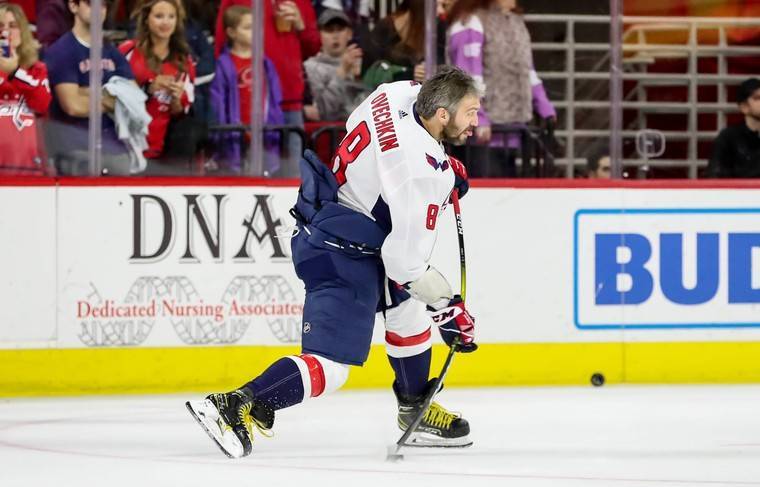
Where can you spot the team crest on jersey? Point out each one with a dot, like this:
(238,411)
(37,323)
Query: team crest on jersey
(443,165)
(19,113)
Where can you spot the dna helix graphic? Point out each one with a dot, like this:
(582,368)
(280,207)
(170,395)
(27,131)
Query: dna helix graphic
(122,332)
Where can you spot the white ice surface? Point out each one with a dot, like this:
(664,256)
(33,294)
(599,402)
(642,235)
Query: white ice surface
(624,436)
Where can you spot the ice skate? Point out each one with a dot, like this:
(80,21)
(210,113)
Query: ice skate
(438,428)
(229,418)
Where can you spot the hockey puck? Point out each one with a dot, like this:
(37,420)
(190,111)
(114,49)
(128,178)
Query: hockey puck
(597,379)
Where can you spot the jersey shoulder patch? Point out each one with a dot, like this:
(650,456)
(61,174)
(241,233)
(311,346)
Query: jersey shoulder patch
(442,165)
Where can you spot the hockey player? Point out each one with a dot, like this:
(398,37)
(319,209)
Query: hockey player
(367,227)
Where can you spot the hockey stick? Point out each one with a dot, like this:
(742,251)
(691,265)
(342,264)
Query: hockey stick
(460,234)
(393,450)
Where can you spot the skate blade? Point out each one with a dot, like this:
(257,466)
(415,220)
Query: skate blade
(422,440)
(207,417)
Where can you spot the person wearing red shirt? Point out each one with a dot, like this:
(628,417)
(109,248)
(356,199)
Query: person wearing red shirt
(162,65)
(231,93)
(24,93)
(290,37)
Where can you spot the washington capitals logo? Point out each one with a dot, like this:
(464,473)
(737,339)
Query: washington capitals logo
(437,165)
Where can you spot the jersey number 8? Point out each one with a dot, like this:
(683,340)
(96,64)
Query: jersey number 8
(349,149)
(432,217)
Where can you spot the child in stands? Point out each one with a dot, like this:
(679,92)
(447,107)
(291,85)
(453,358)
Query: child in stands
(231,95)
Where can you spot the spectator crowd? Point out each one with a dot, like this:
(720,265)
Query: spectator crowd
(178,81)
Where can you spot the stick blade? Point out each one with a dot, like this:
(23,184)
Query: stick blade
(394,453)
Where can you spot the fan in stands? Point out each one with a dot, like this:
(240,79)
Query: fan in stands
(24,93)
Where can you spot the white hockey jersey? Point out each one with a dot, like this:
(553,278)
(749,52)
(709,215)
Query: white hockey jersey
(392,170)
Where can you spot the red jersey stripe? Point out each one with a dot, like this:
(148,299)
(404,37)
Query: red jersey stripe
(399,341)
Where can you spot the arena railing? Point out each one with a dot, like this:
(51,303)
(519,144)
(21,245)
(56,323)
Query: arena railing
(638,55)
(283,130)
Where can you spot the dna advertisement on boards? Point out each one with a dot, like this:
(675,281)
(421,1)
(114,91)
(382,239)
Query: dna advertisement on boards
(153,266)
(177,266)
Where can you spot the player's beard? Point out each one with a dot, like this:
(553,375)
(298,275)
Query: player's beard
(454,135)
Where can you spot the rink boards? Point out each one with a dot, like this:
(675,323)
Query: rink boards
(137,285)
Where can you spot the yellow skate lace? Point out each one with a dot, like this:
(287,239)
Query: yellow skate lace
(438,417)
(244,414)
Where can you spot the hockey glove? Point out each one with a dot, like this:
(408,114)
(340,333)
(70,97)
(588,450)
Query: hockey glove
(455,324)
(431,288)
(460,176)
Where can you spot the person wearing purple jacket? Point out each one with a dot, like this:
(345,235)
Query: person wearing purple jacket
(489,40)
(230,95)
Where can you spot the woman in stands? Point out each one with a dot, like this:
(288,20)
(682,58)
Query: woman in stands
(399,41)
(24,94)
(489,40)
(161,61)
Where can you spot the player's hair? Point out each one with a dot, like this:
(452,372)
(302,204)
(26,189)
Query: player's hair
(178,47)
(233,16)
(445,90)
(28,50)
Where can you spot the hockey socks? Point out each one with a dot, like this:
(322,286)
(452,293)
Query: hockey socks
(280,386)
(293,379)
(412,373)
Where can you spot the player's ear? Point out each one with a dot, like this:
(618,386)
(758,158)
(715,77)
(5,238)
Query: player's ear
(229,32)
(443,115)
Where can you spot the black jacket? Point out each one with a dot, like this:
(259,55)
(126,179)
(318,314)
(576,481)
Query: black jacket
(384,43)
(736,153)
